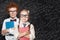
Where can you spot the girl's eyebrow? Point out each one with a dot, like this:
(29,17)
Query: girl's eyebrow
(23,14)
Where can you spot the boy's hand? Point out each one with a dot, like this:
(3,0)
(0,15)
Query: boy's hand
(4,32)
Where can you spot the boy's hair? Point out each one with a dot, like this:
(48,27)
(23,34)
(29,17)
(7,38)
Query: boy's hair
(10,5)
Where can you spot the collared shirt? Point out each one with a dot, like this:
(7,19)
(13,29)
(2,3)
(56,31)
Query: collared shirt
(11,30)
(32,31)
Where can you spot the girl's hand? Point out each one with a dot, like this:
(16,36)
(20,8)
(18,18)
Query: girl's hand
(24,33)
(27,36)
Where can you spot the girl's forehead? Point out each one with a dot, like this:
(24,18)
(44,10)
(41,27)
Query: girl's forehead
(24,12)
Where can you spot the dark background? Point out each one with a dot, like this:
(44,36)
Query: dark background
(45,15)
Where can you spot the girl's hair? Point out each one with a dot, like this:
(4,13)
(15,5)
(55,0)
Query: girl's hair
(10,5)
(25,10)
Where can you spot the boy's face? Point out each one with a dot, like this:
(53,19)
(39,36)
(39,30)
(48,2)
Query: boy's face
(13,12)
(24,16)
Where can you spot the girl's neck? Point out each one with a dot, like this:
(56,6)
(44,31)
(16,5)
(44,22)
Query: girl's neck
(23,22)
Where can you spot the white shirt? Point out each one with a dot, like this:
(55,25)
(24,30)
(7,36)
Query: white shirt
(32,31)
(11,30)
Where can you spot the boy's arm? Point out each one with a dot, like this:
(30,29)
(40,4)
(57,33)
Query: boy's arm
(4,31)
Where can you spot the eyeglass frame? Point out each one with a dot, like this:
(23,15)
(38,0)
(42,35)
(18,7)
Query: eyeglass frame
(22,15)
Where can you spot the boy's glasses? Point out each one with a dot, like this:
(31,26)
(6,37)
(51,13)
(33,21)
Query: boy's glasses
(13,11)
(22,15)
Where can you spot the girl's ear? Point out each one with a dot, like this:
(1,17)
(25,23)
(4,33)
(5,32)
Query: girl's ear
(28,11)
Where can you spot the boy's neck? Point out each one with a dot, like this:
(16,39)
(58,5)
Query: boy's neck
(13,17)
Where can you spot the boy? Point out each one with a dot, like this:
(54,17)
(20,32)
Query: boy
(26,29)
(11,33)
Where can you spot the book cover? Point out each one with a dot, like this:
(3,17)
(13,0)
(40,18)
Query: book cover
(9,24)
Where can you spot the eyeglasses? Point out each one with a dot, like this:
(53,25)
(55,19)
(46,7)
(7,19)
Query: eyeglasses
(24,15)
(13,11)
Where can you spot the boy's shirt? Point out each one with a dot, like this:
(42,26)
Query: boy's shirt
(13,30)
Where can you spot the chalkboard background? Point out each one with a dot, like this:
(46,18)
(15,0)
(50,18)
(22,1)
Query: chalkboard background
(44,14)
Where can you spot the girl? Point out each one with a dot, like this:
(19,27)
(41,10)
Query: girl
(26,30)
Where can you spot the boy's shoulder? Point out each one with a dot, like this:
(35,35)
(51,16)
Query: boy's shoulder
(7,19)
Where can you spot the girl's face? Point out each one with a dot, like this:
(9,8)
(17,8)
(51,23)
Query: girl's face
(24,16)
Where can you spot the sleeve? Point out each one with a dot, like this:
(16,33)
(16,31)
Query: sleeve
(16,32)
(3,26)
(32,32)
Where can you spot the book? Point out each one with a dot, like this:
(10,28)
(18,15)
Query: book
(9,24)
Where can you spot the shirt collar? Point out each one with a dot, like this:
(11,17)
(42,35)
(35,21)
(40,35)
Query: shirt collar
(14,18)
(21,23)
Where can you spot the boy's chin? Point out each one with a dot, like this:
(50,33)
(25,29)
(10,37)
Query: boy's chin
(13,17)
